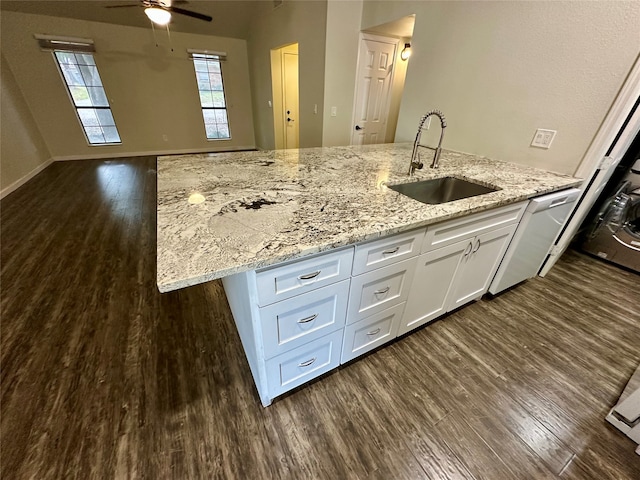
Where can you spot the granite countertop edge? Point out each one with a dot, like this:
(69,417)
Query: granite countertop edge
(180,176)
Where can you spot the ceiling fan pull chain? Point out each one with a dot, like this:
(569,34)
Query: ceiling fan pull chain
(153,29)
(169,35)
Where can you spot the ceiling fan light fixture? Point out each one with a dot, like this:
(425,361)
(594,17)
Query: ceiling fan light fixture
(157,15)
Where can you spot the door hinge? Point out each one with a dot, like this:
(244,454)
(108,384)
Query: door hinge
(555,250)
(605,163)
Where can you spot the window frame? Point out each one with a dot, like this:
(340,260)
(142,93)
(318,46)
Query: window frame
(73,103)
(220,58)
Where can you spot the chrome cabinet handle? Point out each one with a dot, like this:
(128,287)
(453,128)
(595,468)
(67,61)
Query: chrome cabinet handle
(390,251)
(309,276)
(468,249)
(374,332)
(308,319)
(381,291)
(477,247)
(307,363)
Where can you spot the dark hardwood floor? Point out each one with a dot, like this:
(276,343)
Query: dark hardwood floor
(103,377)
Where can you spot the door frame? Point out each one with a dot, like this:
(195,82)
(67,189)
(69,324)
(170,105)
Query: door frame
(377,38)
(611,142)
(278,93)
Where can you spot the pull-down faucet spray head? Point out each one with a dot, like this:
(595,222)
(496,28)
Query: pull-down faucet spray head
(415,162)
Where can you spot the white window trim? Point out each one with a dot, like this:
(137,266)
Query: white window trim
(73,105)
(221,57)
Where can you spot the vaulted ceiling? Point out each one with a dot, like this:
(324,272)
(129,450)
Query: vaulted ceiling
(231,18)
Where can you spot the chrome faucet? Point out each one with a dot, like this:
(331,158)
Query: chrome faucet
(415,156)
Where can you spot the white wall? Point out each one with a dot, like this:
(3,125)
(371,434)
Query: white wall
(22,149)
(302,22)
(341,58)
(499,70)
(152,90)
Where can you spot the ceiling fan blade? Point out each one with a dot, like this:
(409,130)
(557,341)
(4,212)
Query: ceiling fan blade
(189,13)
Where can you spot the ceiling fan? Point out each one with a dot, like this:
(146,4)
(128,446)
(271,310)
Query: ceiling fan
(159,11)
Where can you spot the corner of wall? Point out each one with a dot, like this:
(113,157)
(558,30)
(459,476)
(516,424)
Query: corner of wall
(24,152)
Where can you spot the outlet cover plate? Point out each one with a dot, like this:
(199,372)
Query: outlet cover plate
(543,138)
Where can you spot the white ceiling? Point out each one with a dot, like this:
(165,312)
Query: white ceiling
(403,27)
(231,18)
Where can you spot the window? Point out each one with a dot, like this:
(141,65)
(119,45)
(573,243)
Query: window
(88,96)
(211,89)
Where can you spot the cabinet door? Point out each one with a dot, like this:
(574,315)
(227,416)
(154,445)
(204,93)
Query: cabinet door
(431,285)
(478,267)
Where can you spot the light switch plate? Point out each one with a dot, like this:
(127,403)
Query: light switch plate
(543,138)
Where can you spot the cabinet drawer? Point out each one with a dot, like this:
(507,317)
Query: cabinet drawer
(298,320)
(275,284)
(386,251)
(371,332)
(446,233)
(380,289)
(301,364)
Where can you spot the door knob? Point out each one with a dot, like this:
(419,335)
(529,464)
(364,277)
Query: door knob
(358,127)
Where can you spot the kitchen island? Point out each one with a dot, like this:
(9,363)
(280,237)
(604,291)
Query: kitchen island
(320,260)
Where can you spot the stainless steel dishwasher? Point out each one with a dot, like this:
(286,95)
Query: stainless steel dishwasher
(530,245)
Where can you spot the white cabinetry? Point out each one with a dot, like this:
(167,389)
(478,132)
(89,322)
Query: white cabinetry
(382,271)
(434,275)
(460,270)
(303,318)
(291,319)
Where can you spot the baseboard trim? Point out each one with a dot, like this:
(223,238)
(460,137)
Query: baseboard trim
(102,156)
(21,181)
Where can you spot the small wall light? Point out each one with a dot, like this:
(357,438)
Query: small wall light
(406,51)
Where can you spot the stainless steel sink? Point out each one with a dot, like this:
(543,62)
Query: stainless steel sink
(441,190)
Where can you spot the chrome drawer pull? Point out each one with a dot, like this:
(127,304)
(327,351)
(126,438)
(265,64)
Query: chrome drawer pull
(380,292)
(477,247)
(308,319)
(467,250)
(307,363)
(309,276)
(374,332)
(390,251)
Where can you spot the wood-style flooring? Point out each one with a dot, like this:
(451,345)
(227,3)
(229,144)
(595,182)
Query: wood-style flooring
(103,377)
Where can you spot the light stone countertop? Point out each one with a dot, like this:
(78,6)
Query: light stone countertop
(265,207)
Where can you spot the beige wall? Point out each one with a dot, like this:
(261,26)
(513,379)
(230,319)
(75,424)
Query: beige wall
(499,70)
(22,148)
(302,22)
(343,26)
(152,90)
(341,58)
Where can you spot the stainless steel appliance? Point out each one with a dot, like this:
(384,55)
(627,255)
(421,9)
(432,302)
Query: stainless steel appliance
(613,231)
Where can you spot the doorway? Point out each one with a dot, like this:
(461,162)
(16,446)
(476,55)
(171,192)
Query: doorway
(380,76)
(284,84)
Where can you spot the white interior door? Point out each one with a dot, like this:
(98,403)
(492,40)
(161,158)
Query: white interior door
(290,85)
(376,60)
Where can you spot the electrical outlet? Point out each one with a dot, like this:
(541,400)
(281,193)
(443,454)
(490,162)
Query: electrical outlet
(315,108)
(165,137)
(334,111)
(543,138)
